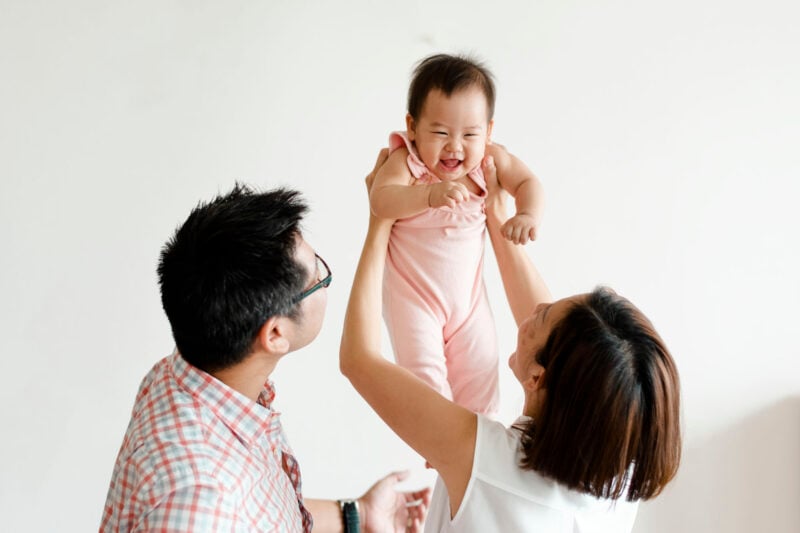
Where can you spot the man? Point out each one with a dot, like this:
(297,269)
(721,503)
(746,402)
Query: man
(204,451)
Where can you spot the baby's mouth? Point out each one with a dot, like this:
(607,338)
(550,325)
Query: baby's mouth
(450,164)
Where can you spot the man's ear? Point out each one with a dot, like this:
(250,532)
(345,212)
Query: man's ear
(272,337)
(411,127)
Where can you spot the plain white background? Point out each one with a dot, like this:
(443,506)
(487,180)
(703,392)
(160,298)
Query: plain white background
(666,135)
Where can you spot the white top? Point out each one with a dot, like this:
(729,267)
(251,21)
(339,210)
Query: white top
(502,497)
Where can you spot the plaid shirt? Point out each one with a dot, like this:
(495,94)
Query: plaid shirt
(199,456)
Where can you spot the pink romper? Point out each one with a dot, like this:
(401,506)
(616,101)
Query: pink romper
(434,298)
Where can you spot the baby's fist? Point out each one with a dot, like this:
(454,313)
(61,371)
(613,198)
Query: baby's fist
(447,194)
(520,228)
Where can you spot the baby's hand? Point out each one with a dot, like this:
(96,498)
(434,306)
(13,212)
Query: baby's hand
(520,228)
(447,194)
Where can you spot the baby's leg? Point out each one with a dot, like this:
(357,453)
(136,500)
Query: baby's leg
(471,354)
(417,338)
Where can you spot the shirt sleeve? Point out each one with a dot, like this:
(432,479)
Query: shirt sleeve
(197,508)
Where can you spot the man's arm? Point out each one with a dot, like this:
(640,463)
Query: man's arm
(327,515)
(193,507)
(381,509)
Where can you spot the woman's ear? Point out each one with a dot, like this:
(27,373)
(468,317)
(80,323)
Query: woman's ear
(535,379)
(273,336)
(411,127)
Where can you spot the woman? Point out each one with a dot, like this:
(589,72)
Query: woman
(600,424)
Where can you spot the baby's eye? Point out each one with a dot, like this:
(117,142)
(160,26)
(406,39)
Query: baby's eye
(471,135)
(440,132)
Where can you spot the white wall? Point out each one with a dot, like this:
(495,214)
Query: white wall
(666,134)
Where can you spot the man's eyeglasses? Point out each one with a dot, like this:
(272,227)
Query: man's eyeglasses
(327,276)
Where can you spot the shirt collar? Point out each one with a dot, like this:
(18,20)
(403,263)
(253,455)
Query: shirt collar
(522,422)
(246,418)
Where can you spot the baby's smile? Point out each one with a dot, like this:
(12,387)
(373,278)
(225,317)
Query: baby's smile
(450,164)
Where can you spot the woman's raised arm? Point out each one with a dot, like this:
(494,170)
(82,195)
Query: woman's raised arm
(524,286)
(439,430)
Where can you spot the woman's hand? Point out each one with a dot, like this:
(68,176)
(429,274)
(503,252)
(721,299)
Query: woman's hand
(383,155)
(376,223)
(496,196)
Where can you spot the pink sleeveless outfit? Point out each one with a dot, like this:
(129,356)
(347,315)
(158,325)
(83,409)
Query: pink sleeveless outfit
(434,298)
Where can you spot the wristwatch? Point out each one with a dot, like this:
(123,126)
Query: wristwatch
(350,516)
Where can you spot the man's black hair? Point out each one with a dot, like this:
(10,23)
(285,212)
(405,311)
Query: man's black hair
(227,269)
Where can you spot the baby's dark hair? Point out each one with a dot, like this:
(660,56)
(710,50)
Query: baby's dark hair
(449,74)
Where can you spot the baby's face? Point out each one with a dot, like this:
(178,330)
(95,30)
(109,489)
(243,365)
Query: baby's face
(452,132)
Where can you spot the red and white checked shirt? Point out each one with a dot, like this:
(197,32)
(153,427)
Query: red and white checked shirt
(199,456)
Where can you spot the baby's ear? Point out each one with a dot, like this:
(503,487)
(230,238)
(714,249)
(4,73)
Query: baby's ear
(489,128)
(411,127)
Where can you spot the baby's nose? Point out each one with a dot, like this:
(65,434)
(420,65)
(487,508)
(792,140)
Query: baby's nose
(453,145)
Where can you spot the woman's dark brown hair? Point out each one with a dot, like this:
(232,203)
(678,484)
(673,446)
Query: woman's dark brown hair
(610,423)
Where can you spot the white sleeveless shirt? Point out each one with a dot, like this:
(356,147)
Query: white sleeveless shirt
(501,497)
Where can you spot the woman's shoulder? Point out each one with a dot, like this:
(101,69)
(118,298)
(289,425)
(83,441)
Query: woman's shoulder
(498,459)
(497,448)
(498,462)
(492,430)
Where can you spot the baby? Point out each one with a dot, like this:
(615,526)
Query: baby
(434,299)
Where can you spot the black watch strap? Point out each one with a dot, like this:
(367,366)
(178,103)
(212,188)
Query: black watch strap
(350,516)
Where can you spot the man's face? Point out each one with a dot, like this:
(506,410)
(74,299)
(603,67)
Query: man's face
(311,308)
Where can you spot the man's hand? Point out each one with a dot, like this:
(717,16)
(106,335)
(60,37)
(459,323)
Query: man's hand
(386,510)
(447,194)
(520,228)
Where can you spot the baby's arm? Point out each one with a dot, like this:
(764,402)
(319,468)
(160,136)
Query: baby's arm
(393,195)
(516,178)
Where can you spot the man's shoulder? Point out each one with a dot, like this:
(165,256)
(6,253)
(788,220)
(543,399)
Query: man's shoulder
(169,428)
(157,463)
(162,397)
(162,477)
